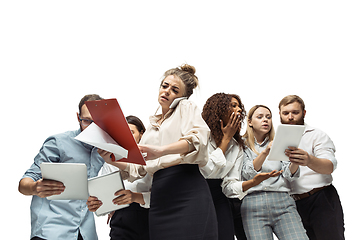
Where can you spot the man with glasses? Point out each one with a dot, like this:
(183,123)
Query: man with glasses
(62,219)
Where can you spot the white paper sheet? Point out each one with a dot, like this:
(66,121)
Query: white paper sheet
(95,136)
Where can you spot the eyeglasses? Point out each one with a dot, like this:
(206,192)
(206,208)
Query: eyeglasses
(85,122)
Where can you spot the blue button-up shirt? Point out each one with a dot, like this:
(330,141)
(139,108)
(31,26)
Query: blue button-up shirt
(62,219)
(273,184)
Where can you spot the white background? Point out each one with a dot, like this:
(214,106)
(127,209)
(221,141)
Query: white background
(54,52)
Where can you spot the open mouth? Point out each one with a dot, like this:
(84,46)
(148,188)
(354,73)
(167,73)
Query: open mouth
(164,98)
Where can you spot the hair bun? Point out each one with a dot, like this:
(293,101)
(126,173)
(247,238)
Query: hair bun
(188,68)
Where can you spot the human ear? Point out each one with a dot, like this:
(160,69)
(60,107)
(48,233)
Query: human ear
(78,117)
(249,122)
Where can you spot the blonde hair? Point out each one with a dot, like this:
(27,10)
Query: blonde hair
(186,73)
(249,134)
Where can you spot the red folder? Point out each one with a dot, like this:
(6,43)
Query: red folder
(108,116)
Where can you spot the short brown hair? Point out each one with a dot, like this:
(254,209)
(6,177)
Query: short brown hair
(291,99)
(89,97)
(186,73)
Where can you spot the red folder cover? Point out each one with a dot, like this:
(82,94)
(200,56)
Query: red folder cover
(108,116)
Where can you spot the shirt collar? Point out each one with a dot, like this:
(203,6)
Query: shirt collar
(263,142)
(155,118)
(308,128)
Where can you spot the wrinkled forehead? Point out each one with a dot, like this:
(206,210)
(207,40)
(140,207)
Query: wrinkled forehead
(173,80)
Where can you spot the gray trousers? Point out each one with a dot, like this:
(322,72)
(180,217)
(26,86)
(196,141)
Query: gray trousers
(264,213)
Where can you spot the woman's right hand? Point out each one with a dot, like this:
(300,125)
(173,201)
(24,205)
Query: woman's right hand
(232,126)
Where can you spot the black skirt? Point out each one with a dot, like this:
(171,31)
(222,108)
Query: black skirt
(181,205)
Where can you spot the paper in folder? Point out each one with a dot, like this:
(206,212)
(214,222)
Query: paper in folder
(110,131)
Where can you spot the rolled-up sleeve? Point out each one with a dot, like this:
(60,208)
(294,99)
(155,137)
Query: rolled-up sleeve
(49,152)
(195,131)
(232,184)
(325,148)
(248,170)
(287,173)
(133,172)
(216,162)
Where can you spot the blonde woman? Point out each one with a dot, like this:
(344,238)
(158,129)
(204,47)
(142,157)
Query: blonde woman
(224,114)
(268,207)
(181,206)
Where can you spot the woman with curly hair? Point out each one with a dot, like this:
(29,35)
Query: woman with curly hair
(224,114)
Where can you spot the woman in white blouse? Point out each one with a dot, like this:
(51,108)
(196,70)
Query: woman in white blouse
(268,207)
(224,114)
(175,142)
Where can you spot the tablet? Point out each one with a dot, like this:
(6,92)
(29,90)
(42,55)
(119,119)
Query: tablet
(286,136)
(104,188)
(72,175)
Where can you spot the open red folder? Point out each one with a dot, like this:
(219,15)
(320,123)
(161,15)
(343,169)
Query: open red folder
(108,116)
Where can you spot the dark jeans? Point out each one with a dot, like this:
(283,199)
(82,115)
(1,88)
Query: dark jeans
(322,215)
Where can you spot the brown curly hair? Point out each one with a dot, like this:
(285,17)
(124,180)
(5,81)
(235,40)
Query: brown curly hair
(217,108)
